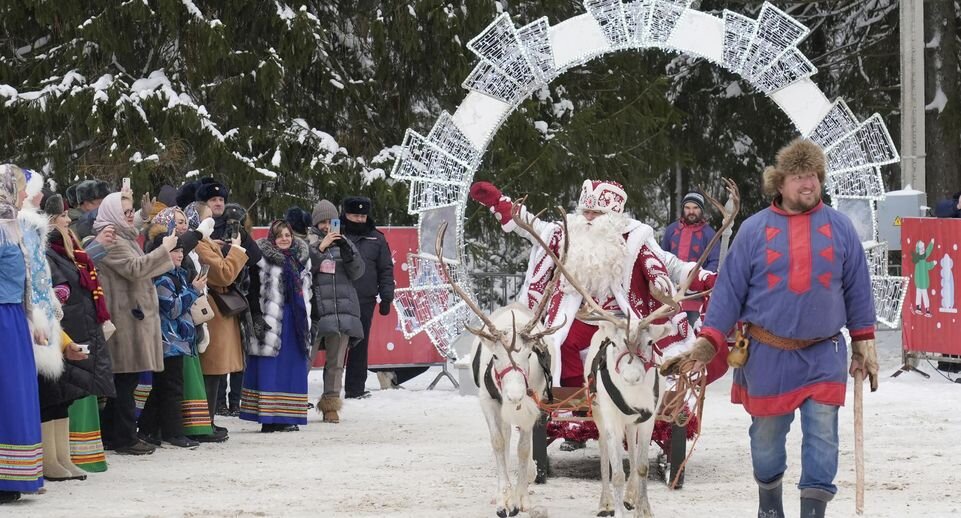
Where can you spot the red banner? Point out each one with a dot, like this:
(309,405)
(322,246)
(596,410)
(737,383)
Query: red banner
(929,252)
(387,345)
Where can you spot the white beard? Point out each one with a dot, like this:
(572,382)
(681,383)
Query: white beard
(597,253)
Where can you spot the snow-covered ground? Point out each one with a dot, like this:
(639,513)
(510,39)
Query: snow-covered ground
(426,453)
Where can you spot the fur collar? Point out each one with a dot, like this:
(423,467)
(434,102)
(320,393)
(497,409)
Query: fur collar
(274,256)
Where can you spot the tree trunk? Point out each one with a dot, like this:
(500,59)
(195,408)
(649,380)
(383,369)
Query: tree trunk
(943,95)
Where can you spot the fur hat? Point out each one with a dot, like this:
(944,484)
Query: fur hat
(210,188)
(91,190)
(603,196)
(695,198)
(52,203)
(186,194)
(34,182)
(324,210)
(71,194)
(357,205)
(801,155)
(298,219)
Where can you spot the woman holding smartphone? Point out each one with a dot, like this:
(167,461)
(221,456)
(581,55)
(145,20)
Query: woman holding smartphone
(336,310)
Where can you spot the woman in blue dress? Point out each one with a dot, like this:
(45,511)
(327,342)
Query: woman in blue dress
(275,383)
(21,454)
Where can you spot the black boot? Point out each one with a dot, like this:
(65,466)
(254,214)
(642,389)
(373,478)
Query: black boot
(9,496)
(769,503)
(812,508)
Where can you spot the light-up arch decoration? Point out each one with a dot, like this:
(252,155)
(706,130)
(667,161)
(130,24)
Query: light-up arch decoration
(516,61)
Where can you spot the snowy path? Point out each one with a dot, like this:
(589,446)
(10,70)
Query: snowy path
(426,454)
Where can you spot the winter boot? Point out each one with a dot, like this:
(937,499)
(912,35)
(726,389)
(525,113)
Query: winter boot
(52,470)
(62,430)
(813,508)
(329,406)
(769,503)
(814,502)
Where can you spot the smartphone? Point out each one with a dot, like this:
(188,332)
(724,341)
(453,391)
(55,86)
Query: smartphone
(204,269)
(335,225)
(171,227)
(84,348)
(126,184)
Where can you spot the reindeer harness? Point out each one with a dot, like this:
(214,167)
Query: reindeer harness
(599,365)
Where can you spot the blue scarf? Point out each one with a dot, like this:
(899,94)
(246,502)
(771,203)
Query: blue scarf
(294,294)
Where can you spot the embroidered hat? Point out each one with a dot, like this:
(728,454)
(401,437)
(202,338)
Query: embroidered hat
(602,196)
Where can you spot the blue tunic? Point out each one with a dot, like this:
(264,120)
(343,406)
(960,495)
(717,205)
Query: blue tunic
(800,276)
(21,456)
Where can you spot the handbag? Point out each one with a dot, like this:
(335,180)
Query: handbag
(231,303)
(201,311)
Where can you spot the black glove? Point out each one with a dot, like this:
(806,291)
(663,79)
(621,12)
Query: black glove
(385,307)
(346,252)
(261,327)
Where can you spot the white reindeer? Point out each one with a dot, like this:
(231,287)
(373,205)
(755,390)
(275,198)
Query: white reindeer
(621,372)
(510,366)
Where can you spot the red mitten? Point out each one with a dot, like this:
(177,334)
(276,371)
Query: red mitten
(704,281)
(485,193)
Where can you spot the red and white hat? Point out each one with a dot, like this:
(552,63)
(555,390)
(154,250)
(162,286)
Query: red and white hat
(603,196)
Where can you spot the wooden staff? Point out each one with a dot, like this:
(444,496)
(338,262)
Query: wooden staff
(859,441)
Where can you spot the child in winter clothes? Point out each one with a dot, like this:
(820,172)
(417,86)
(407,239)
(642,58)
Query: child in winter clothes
(162,412)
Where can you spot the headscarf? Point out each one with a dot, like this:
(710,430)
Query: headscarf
(89,279)
(9,228)
(167,215)
(111,213)
(193,215)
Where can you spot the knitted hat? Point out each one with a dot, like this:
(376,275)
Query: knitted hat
(357,205)
(298,219)
(693,197)
(603,196)
(324,210)
(210,188)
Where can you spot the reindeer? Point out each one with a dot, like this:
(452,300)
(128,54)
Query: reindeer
(511,366)
(622,374)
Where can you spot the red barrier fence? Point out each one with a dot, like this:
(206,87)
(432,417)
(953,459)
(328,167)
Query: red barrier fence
(387,345)
(930,248)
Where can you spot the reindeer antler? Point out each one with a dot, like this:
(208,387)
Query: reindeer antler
(597,311)
(548,294)
(495,334)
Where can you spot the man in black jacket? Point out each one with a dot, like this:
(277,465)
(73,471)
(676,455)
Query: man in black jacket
(378,279)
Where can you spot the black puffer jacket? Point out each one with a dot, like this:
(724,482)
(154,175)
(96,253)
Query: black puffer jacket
(95,374)
(335,308)
(378,278)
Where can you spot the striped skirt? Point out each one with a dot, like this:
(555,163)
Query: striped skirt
(195,411)
(275,388)
(21,455)
(86,447)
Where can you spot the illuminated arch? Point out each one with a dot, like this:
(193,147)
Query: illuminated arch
(516,61)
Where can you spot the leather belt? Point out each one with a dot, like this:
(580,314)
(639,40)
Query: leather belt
(788,344)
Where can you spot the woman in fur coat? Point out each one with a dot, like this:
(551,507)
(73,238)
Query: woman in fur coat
(87,320)
(60,383)
(275,383)
(127,277)
(21,455)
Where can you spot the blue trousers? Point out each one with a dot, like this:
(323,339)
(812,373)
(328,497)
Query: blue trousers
(819,447)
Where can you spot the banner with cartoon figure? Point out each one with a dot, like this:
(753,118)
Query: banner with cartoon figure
(929,250)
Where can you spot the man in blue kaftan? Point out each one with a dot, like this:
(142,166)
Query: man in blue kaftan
(795,275)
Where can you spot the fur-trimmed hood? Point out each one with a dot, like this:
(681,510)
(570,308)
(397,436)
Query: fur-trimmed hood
(274,256)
